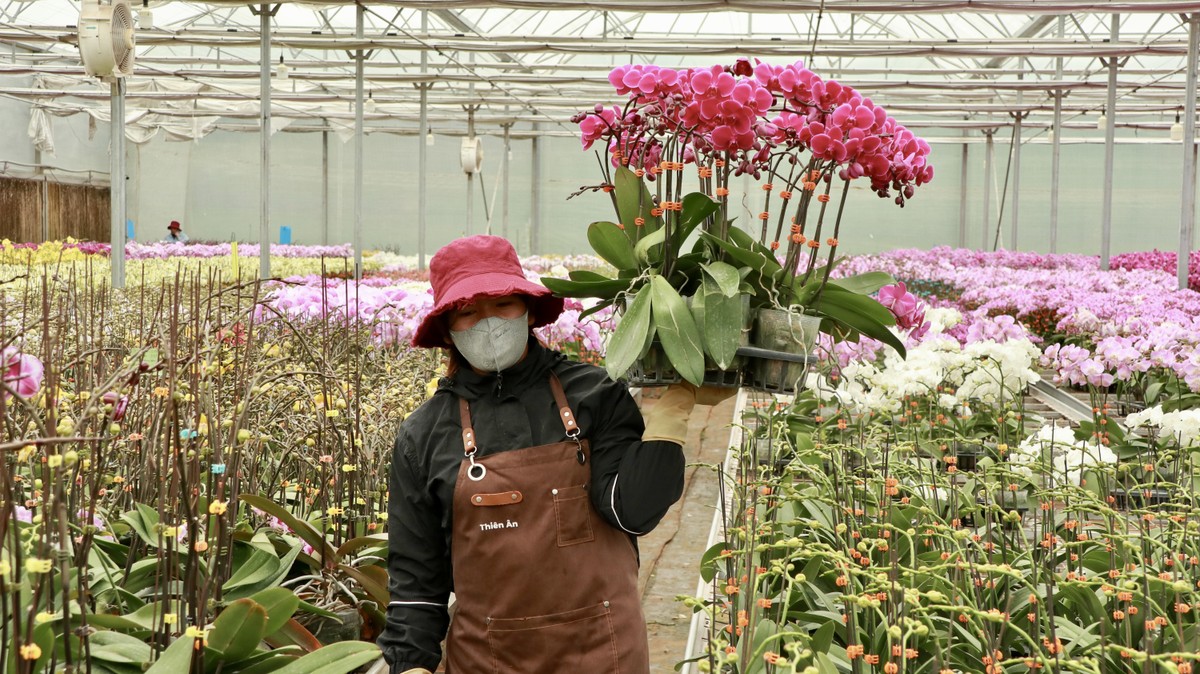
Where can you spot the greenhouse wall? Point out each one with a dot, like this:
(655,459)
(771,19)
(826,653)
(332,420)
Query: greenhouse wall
(211,185)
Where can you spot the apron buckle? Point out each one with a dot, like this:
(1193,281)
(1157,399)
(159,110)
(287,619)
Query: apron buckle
(579,455)
(475,471)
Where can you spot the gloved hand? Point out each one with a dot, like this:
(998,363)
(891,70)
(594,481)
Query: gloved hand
(668,418)
(711,395)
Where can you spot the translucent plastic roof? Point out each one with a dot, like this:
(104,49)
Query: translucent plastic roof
(939,63)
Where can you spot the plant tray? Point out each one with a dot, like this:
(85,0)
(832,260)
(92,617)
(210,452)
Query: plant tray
(665,376)
(774,371)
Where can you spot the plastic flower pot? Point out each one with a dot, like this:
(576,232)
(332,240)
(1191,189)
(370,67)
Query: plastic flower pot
(781,350)
(1139,498)
(347,626)
(968,456)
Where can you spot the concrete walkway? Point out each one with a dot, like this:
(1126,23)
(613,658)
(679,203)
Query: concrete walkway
(671,553)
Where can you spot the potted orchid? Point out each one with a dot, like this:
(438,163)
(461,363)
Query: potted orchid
(800,137)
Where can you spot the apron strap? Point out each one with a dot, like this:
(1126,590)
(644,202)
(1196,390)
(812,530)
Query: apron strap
(560,398)
(564,410)
(468,433)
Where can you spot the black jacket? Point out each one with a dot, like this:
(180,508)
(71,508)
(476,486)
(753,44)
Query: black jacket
(510,410)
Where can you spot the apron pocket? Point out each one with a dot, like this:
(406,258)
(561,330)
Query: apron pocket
(580,640)
(572,512)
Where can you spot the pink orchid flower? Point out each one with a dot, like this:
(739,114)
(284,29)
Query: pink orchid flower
(22,373)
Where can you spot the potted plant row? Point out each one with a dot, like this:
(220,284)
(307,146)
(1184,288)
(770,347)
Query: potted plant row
(700,298)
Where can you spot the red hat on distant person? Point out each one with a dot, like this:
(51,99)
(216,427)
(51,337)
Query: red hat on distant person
(477,267)
(174,225)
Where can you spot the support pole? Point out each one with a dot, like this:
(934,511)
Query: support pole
(1016,181)
(264,121)
(1187,214)
(359,58)
(535,208)
(1056,143)
(962,195)
(116,192)
(422,150)
(470,175)
(988,158)
(504,170)
(1109,139)
(324,188)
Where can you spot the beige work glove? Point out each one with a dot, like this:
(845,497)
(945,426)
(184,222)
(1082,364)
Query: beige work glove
(668,418)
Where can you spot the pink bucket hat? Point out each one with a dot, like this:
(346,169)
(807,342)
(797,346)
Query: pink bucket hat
(475,267)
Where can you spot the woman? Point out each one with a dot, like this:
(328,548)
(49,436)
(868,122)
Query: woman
(175,233)
(521,486)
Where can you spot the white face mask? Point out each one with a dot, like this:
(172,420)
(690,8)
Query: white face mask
(494,343)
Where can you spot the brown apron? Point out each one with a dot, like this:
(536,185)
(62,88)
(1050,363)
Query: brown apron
(543,584)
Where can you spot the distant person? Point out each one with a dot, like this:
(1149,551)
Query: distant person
(175,233)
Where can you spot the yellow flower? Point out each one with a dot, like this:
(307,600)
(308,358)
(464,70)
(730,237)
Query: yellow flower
(54,460)
(349,468)
(36,565)
(334,511)
(170,618)
(26,453)
(31,652)
(217,508)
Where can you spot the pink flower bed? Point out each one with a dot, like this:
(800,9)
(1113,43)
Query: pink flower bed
(1129,320)
(1161,260)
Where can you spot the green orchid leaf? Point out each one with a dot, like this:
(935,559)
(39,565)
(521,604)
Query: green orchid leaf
(709,562)
(371,582)
(767,270)
(353,545)
(339,658)
(725,275)
(721,322)
(280,604)
(697,207)
(238,630)
(645,250)
(118,648)
(630,337)
(256,568)
(696,305)
(747,256)
(612,244)
(864,284)
(177,659)
(677,331)
(604,289)
(585,275)
(634,200)
(598,307)
(294,634)
(860,315)
(144,521)
(747,242)
(304,530)
(804,293)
